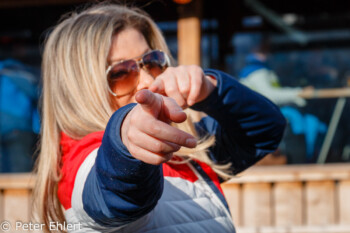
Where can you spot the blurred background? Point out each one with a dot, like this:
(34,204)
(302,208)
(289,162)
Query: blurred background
(304,45)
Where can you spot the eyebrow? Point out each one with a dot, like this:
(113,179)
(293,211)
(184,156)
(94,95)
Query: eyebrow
(113,61)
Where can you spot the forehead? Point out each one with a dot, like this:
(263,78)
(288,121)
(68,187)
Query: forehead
(128,43)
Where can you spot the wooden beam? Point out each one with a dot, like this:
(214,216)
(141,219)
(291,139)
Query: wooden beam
(17,181)
(189,33)
(325,93)
(292,173)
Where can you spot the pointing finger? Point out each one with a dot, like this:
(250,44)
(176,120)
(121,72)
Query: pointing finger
(149,102)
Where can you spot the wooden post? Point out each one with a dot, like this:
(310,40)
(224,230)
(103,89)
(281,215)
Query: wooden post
(233,194)
(1,206)
(16,206)
(344,202)
(288,203)
(320,203)
(257,206)
(189,33)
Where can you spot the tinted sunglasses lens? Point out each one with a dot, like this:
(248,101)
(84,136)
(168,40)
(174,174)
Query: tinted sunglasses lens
(123,77)
(155,62)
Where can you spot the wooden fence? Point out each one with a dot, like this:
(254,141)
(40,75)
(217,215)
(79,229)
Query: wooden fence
(15,201)
(291,199)
(263,199)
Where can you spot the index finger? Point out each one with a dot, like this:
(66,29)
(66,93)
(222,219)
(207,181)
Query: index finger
(149,102)
(165,132)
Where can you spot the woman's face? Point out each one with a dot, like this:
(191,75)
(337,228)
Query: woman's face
(129,44)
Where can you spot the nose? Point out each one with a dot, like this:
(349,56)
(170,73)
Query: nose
(145,80)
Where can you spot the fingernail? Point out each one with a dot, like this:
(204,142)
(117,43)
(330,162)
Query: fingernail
(177,110)
(190,102)
(191,142)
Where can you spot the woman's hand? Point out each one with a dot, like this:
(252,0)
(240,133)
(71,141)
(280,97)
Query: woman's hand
(187,85)
(146,131)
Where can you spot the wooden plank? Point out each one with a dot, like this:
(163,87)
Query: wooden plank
(257,209)
(325,93)
(233,197)
(16,206)
(1,206)
(344,202)
(320,202)
(293,173)
(17,181)
(288,204)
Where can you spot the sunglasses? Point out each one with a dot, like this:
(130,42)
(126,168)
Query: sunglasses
(124,76)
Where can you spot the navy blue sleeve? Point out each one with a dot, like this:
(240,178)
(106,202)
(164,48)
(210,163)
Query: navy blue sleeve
(119,188)
(247,126)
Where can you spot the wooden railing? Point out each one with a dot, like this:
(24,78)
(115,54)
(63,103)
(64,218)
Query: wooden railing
(15,200)
(283,199)
(263,199)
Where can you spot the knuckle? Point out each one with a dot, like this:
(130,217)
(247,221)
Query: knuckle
(196,68)
(175,148)
(158,160)
(198,71)
(133,119)
(182,104)
(180,101)
(184,89)
(171,89)
(183,68)
(130,135)
(158,147)
(154,127)
(170,69)
(167,157)
(133,151)
(177,139)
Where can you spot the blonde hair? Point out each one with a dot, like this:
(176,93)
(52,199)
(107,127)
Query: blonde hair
(75,97)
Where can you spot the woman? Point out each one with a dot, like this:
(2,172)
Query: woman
(111,153)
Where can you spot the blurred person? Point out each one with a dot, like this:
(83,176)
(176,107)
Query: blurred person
(260,77)
(301,135)
(118,152)
(19,118)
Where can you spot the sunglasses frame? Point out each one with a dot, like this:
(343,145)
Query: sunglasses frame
(138,61)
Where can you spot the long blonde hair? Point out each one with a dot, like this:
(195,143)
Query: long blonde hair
(75,97)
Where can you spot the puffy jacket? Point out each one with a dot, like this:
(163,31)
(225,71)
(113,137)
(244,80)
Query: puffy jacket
(105,189)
